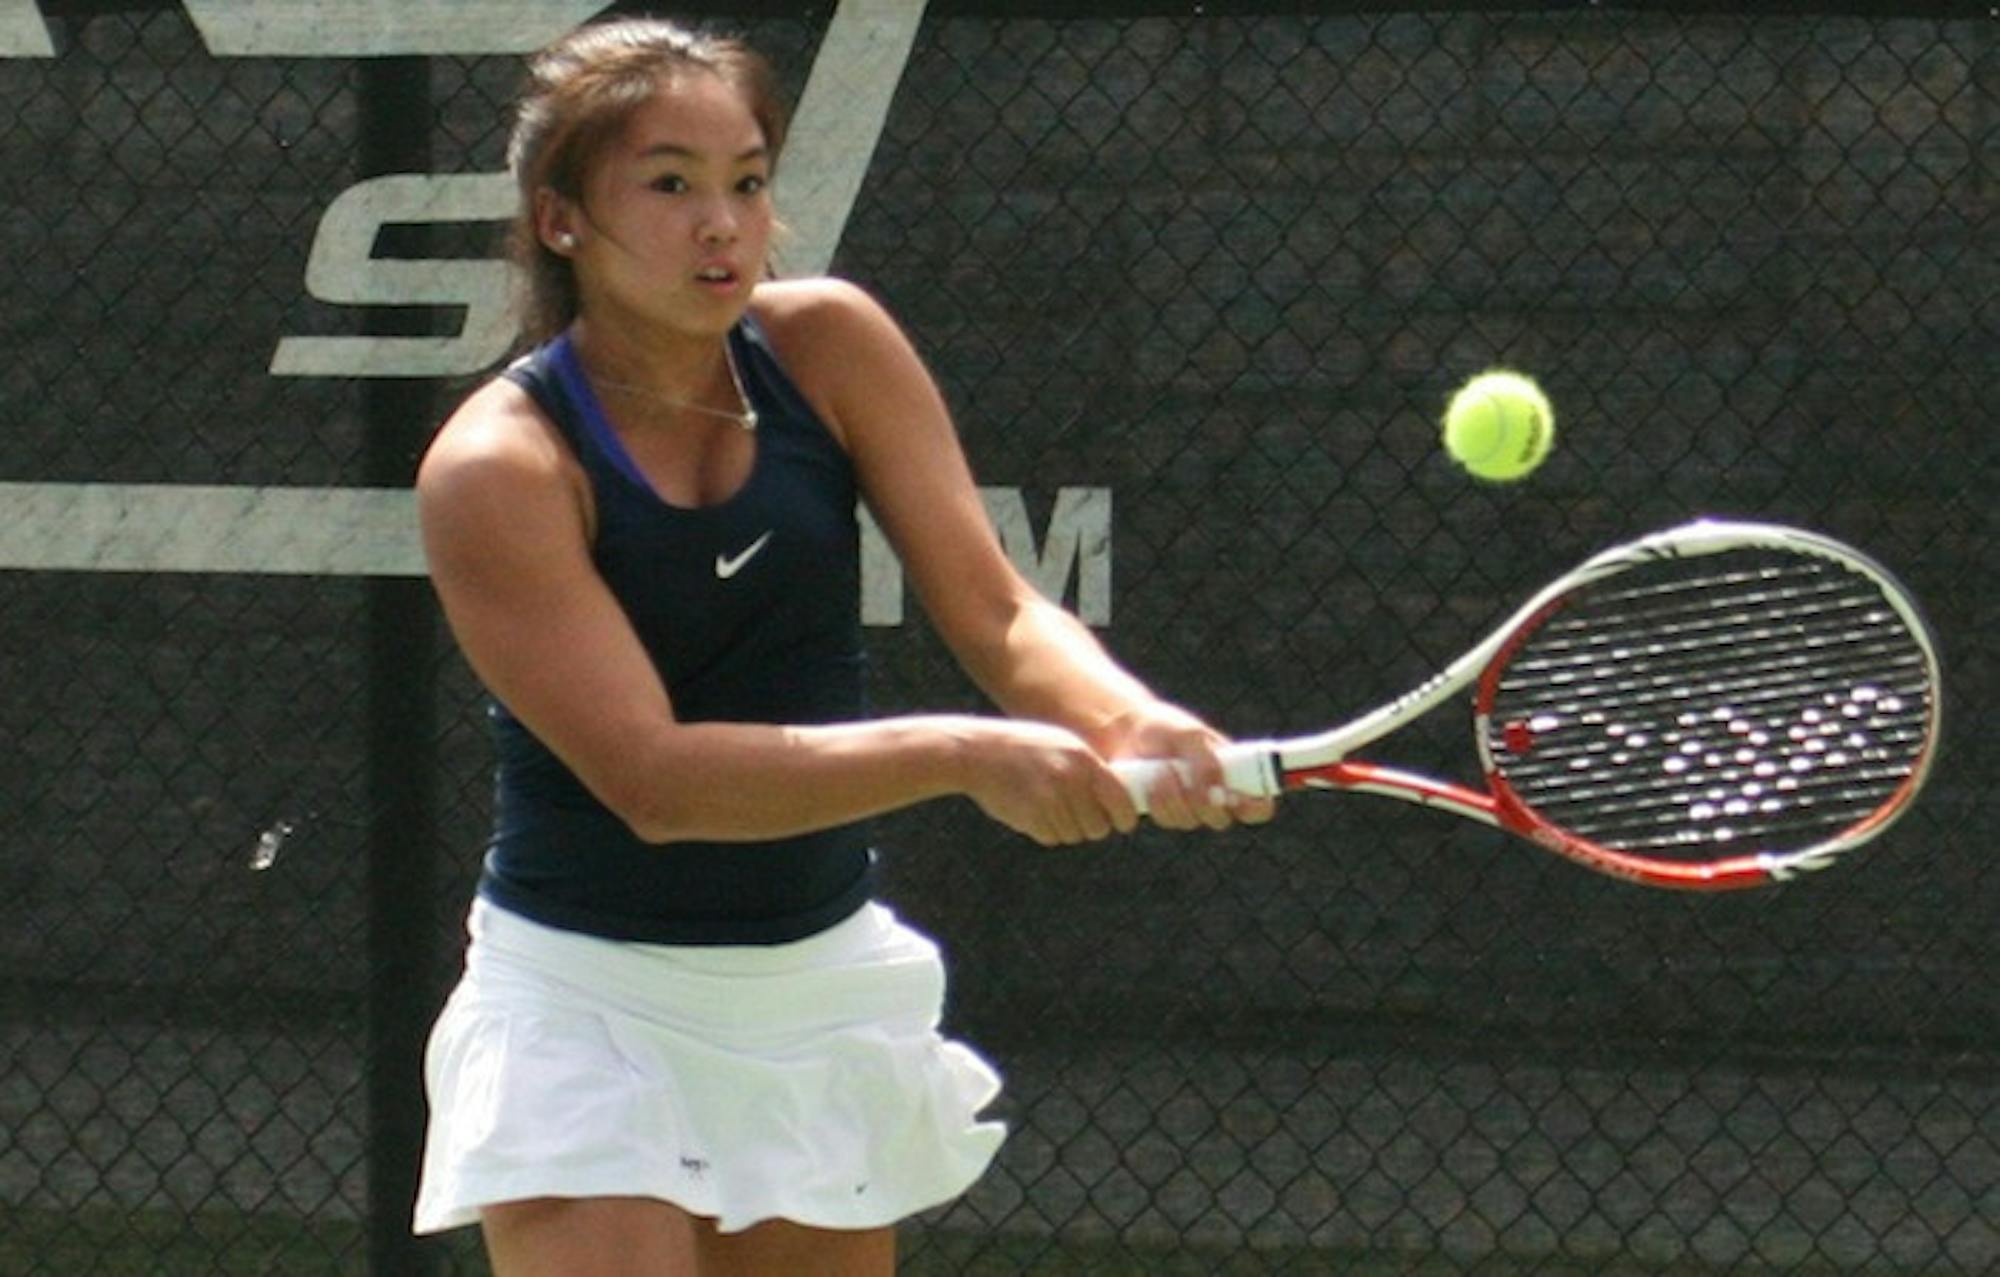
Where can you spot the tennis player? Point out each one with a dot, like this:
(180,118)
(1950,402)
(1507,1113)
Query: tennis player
(688,1038)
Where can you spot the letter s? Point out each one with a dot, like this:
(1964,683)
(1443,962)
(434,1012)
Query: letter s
(342,269)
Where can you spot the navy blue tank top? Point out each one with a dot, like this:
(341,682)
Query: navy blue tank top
(750,610)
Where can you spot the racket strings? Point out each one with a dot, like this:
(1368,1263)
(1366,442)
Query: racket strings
(1700,707)
(1748,680)
(1692,626)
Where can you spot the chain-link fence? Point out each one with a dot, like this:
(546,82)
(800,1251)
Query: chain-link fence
(1197,280)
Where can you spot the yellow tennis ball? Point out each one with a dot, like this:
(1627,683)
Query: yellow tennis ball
(1499,425)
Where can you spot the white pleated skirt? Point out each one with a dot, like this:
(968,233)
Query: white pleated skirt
(802,1081)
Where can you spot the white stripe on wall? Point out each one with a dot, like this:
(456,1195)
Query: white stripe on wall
(838,122)
(102,527)
(112,527)
(382,28)
(23,34)
(372,532)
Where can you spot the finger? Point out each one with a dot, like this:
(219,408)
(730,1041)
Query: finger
(1072,820)
(1081,819)
(1253,811)
(1216,810)
(1206,797)
(1115,803)
(1168,803)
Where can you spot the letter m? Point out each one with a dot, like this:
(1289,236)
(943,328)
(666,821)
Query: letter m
(1077,544)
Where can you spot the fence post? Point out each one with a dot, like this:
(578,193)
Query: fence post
(403,939)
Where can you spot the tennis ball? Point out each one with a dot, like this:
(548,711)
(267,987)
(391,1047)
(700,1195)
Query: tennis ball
(1499,425)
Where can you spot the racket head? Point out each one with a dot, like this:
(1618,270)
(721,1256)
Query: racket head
(1718,705)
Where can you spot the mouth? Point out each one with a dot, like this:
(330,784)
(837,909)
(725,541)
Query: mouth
(716,276)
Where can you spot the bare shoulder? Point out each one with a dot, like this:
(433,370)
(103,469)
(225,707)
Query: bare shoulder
(495,465)
(839,344)
(497,431)
(826,325)
(813,307)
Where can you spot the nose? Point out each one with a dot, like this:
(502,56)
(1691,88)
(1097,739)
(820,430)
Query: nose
(717,224)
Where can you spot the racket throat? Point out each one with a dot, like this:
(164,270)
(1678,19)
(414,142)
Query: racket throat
(1388,782)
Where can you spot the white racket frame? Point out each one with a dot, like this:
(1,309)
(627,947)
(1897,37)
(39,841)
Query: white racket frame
(1260,768)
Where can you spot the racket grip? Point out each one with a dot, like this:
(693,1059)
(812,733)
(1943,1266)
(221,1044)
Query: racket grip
(1249,767)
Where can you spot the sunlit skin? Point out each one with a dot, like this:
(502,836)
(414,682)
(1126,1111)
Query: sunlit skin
(671,237)
(669,244)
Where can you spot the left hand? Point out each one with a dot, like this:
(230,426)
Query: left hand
(1189,795)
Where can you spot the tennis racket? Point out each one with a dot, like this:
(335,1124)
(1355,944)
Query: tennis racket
(1717,705)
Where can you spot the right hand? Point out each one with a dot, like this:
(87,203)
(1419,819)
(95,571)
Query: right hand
(1044,782)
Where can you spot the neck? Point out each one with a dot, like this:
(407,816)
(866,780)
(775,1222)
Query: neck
(688,377)
(674,363)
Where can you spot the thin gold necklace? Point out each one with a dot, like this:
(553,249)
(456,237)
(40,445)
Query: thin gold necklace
(746,419)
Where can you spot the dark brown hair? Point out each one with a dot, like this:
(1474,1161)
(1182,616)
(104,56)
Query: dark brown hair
(581,92)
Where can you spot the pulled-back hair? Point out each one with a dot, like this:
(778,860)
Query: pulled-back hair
(581,92)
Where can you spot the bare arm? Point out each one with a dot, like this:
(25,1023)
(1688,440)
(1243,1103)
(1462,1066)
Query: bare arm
(1035,659)
(504,517)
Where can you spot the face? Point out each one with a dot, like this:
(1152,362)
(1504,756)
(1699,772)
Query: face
(676,219)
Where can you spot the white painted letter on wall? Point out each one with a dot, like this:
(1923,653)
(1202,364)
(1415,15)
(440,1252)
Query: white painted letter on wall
(342,269)
(1076,547)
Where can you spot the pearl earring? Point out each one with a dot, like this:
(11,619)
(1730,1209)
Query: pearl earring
(566,241)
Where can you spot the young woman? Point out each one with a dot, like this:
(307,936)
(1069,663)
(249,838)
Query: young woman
(688,1040)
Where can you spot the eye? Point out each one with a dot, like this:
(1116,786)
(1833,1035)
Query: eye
(669,183)
(754,184)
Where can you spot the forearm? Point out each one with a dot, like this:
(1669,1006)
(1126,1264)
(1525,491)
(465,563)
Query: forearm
(1048,666)
(746,782)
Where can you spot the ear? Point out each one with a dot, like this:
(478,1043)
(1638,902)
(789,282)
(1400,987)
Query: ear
(555,222)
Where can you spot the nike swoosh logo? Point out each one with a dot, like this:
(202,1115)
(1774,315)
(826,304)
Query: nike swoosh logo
(728,565)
